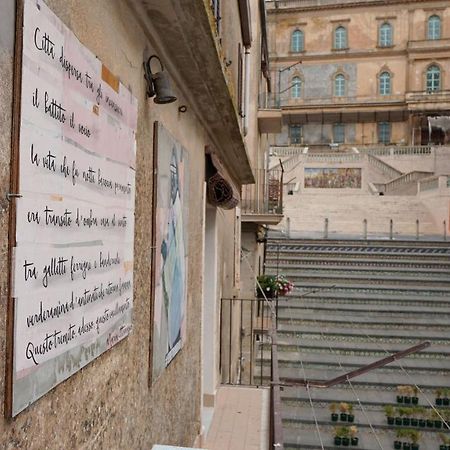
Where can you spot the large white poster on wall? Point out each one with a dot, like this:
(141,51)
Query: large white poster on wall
(73,263)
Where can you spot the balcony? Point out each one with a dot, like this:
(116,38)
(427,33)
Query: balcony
(263,202)
(311,4)
(427,46)
(428,101)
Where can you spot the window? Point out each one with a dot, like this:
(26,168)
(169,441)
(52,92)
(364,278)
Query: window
(296,87)
(340,38)
(385,83)
(433,78)
(339,133)
(295,134)
(384,132)
(297,41)
(385,35)
(339,85)
(434,27)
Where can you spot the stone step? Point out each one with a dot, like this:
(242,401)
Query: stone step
(403,266)
(384,320)
(382,335)
(306,437)
(325,298)
(290,343)
(368,395)
(304,307)
(370,278)
(347,363)
(335,286)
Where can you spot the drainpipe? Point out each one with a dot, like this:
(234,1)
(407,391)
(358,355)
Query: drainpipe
(246,88)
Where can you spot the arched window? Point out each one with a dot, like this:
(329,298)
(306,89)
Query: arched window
(340,37)
(296,87)
(433,78)
(385,35)
(339,85)
(434,27)
(385,83)
(297,41)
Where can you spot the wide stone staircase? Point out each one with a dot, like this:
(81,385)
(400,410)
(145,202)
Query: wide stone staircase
(354,303)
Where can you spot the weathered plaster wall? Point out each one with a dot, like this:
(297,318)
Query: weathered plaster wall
(108,404)
(6,81)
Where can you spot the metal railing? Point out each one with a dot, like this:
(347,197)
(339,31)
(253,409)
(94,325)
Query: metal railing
(412,150)
(266,196)
(274,4)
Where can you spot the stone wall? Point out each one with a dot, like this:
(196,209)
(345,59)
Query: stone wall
(110,403)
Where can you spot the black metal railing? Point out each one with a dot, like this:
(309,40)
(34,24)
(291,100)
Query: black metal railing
(248,326)
(266,196)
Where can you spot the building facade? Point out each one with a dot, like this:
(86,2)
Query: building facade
(360,72)
(189,161)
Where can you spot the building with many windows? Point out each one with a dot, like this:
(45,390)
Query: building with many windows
(360,72)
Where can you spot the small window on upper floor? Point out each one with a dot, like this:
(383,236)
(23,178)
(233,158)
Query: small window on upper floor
(295,134)
(297,41)
(433,78)
(434,27)
(385,83)
(340,38)
(296,87)
(385,35)
(339,85)
(338,133)
(384,132)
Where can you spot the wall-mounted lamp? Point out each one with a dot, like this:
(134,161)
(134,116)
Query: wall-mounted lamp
(182,108)
(158,85)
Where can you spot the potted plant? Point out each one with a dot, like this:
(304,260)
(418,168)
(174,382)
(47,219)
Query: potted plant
(389,411)
(446,399)
(400,397)
(343,408)
(341,436)
(353,431)
(414,435)
(415,398)
(438,393)
(445,442)
(334,414)
(404,413)
(437,422)
(350,416)
(283,285)
(266,286)
(270,286)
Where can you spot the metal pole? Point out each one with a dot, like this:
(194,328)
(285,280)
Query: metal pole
(445,230)
(325,231)
(391,229)
(417,229)
(365,228)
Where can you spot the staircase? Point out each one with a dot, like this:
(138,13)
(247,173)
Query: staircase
(356,302)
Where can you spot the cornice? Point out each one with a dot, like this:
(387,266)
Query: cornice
(361,4)
(347,56)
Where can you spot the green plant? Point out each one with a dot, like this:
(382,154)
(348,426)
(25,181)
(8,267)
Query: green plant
(343,407)
(342,431)
(389,410)
(350,408)
(278,284)
(411,435)
(444,438)
(439,392)
(353,431)
(333,408)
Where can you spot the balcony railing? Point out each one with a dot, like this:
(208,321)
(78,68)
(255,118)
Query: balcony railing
(266,196)
(428,96)
(248,326)
(274,4)
(274,100)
